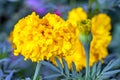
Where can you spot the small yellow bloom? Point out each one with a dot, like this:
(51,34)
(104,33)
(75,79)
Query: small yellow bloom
(101,36)
(100,29)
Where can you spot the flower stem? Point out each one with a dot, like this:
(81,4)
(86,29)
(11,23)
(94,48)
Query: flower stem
(90,8)
(86,43)
(37,70)
(87,48)
(87,63)
(90,5)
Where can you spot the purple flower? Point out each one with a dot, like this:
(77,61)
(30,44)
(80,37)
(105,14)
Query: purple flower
(57,12)
(37,6)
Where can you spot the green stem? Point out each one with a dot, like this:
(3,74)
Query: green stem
(37,70)
(90,5)
(87,63)
(87,48)
(90,8)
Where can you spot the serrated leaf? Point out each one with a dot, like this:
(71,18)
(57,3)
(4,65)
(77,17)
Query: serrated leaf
(65,67)
(15,63)
(59,64)
(80,77)
(52,76)
(79,74)
(9,77)
(99,66)
(1,73)
(109,74)
(27,79)
(4,60)
(74,73)
(51,66)
(93,73)
(106,73)
(110,65)
(113,79)
(63,79)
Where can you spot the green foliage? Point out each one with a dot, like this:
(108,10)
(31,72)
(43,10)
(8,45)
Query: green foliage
(97,72)
(5,72)
(62,70)
(3,55)
(12,69)
(108,71)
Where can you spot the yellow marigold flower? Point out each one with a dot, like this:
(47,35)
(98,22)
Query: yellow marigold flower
(100,29)
(44,38)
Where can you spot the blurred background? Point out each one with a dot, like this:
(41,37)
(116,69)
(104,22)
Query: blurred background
(13,10)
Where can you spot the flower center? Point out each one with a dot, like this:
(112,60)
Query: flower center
(84,26)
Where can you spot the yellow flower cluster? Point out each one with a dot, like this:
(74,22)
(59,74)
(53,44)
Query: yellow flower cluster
(43,38)
(100,29)
(49,37)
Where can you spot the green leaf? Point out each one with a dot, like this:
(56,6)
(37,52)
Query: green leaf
(113,79)
(110,73)
(93,73)
(27,78)
(3,55)
(65,67)
(51,66)
(99,67)
(59,64)
(74,73)
(110,65)
(63,79)
(80,77)
(52,76)
(1,73)
(9,77)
